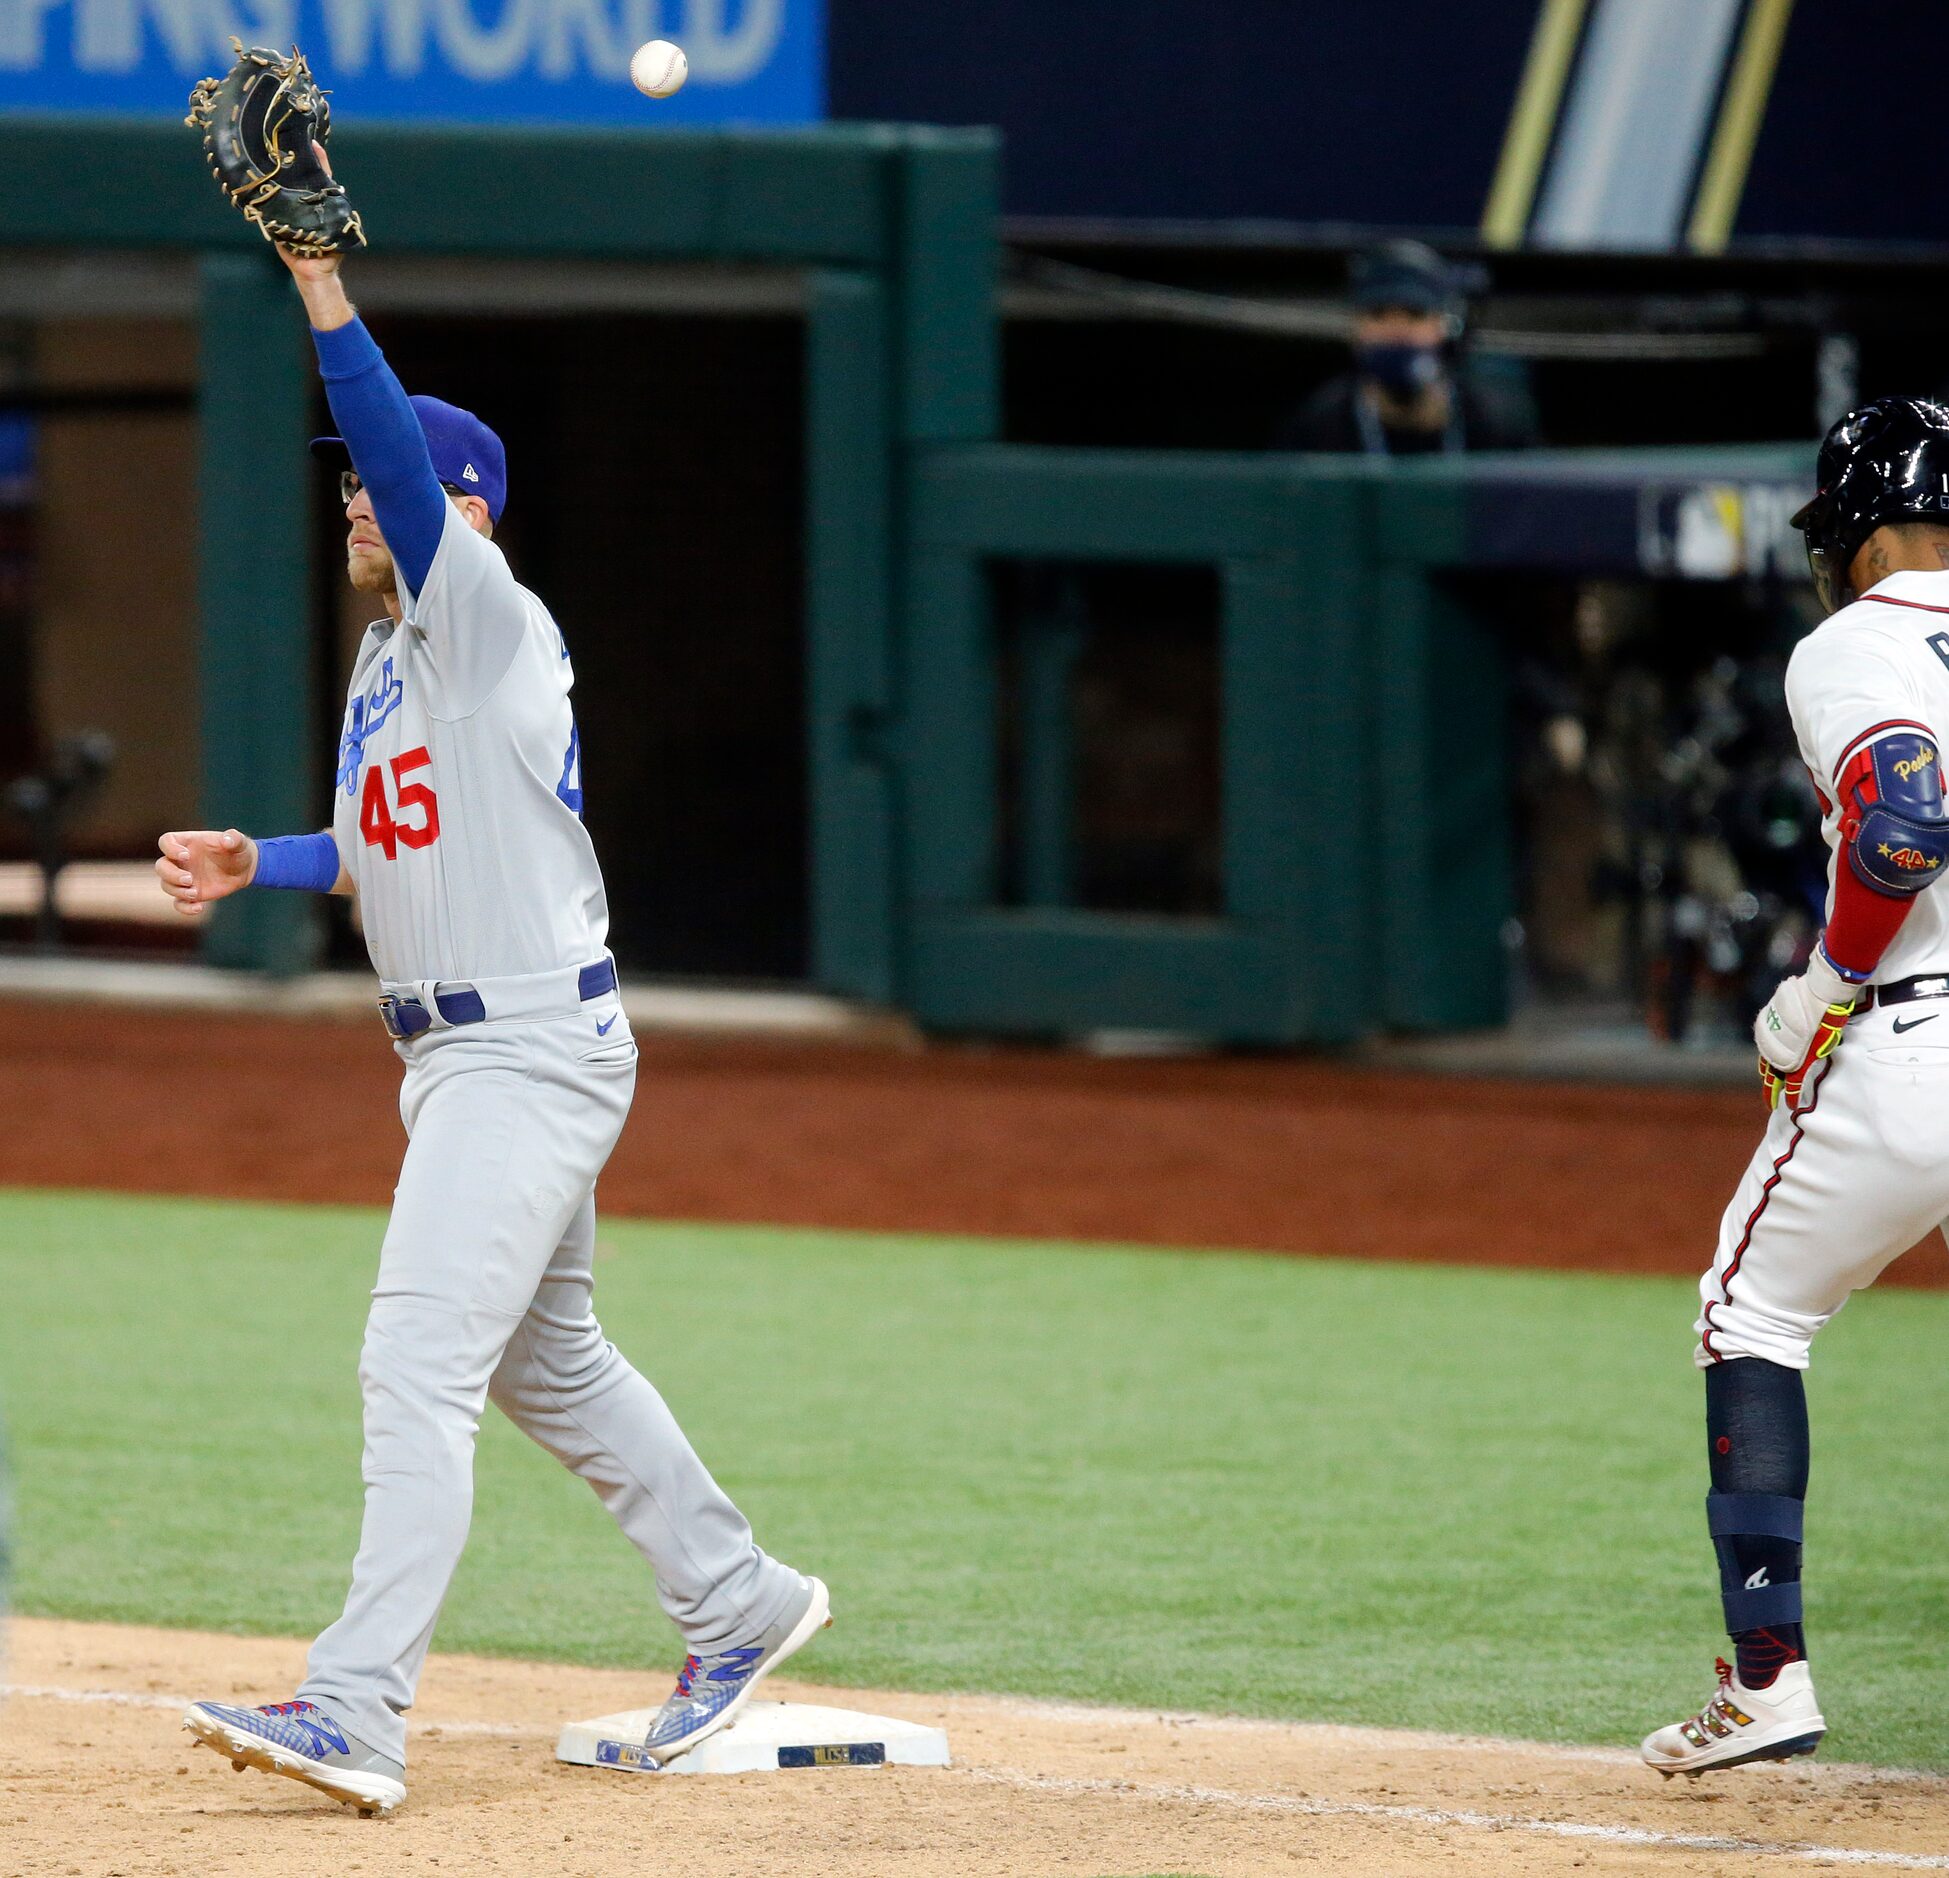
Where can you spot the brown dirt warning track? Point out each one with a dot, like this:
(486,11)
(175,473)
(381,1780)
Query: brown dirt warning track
(1280,1155)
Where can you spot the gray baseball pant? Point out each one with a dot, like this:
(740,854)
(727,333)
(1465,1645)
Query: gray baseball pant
(485,1280)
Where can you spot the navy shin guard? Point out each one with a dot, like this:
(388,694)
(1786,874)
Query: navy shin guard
(1758,1539)
(1756,1426)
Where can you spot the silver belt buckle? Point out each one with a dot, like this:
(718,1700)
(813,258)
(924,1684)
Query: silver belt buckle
(403,1017)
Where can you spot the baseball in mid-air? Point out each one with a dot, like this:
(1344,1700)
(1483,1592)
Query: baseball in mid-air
(658,69)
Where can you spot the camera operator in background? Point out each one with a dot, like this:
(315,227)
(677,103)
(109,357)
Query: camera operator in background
(1407,394)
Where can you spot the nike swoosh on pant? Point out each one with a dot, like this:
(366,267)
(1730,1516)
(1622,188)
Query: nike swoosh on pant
(602,1030)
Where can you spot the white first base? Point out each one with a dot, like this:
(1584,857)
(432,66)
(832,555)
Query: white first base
(767,1737)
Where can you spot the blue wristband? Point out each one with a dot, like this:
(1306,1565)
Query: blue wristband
(1840,971)
(309,862)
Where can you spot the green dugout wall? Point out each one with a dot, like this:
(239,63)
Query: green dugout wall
(1366,810)
(1365,843)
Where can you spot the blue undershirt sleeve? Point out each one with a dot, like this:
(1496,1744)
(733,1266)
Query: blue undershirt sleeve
(387,446)
(307,862)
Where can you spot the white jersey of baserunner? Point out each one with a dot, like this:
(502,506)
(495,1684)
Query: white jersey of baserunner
(1843,1186)
(459,788)
(1879,665)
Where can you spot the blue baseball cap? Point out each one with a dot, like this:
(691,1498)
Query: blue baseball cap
(464,451)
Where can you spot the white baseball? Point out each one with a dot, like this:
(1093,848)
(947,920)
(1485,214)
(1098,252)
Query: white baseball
(658,69)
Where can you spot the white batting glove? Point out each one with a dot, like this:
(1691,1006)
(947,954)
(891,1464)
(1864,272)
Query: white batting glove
(1802,1023)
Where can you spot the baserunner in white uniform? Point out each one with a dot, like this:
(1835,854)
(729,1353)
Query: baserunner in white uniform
(457,822)
(1854,1167)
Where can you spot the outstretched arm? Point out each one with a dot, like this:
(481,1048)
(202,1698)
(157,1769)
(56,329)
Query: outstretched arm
(379,427)
(198,867)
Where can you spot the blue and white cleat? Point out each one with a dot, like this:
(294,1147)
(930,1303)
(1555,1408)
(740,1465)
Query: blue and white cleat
(712,1689)
(302,1742)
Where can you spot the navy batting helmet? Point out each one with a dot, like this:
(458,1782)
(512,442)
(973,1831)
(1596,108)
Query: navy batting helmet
(1887,462)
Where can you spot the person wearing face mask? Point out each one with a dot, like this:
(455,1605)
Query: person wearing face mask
(1404,395)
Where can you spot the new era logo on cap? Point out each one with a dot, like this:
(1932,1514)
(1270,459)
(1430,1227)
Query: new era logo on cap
(462,449)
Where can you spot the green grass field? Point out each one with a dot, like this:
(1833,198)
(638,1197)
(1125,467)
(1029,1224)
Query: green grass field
(1388,1494)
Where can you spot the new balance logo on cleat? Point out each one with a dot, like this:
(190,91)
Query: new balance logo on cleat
(713,1688)
(320,1731)
(301,1742)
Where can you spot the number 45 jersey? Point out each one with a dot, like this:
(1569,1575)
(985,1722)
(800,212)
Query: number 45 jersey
(1869,692)
(458,801)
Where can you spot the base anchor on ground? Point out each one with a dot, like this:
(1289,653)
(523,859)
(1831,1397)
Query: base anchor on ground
(767,1738)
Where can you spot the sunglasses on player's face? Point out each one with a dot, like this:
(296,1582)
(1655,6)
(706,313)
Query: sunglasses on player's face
(350,483)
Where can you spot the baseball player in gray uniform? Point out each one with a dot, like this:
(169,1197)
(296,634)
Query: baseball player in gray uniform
(457,823)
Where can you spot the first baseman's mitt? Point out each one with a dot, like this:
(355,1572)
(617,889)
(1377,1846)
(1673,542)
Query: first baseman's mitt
(262,125)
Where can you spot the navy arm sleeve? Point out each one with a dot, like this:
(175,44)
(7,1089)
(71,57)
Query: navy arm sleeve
(387,446)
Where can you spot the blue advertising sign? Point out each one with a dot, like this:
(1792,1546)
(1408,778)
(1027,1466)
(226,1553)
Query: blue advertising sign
(513,61)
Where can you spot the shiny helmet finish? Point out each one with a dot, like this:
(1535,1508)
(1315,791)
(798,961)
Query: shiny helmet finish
(1886,462)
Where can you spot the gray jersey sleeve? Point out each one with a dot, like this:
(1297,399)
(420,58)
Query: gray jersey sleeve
(471,616)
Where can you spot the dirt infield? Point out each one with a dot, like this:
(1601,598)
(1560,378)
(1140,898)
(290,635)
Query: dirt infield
(1283,1155)
(98,1779)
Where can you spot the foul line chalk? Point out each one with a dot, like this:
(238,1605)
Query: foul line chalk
(1334,1734)
(115,1696)
(119,1698)
(1427,1741)
(1442,1816)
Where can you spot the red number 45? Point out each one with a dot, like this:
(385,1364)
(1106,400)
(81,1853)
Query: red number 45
(376,821)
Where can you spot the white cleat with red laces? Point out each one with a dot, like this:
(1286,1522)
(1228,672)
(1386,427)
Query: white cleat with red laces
(1741,1724)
